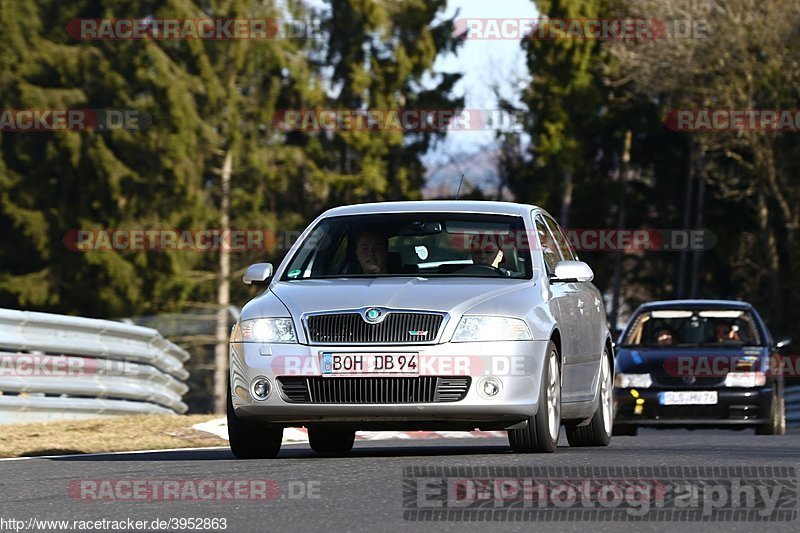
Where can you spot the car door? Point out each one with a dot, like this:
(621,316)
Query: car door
(586,307)
(565,303)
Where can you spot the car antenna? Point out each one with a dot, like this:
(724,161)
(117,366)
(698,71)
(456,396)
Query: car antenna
(458,193)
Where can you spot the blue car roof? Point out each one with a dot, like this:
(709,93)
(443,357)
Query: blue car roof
(691,304)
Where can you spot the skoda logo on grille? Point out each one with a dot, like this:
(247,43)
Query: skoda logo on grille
(690,380)
(372,315)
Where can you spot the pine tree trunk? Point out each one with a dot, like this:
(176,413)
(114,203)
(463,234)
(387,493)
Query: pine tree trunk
(697,254)
(680,291)
(566,200)
(623,196)
(773,260)
(223,292)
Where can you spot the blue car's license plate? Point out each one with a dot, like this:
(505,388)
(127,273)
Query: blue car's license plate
(699,397)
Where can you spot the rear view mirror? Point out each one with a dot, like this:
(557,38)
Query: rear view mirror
(257,274)
(567,271)
(419,228)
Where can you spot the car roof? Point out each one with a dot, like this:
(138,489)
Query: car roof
(433,206)
(693,304)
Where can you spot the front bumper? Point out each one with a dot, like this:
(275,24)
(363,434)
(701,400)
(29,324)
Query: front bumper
(735,406)
(517,364)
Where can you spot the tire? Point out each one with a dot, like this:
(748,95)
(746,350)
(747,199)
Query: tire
(541,433)
(776,425)
(598,431)
(250,439)
(326,441)
(625,431)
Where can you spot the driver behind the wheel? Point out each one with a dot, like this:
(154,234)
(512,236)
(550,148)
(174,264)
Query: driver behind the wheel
(485,250)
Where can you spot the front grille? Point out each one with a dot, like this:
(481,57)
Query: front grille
(663,379)
(395,328)
(364,390)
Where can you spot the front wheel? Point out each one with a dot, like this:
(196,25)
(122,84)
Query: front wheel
(776,425)
(598,431)
(250,439)
(541,433)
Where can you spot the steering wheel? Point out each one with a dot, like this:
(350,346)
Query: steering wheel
(481,270)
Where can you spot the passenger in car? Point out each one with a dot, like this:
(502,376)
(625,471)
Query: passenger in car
(664,337)
(485,250)
(726,332)
(372,251)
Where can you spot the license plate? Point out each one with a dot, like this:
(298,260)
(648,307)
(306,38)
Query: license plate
(700,397)
(369,364)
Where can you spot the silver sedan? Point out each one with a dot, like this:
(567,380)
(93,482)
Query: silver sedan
(438,315)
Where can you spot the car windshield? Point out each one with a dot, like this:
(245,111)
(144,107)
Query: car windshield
(669,328)
(427,244)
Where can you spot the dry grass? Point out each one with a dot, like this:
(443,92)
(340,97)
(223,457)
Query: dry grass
(124,433)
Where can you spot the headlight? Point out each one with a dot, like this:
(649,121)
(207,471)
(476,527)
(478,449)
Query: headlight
(632,381)
(745,379)
(491,328)
(279,330)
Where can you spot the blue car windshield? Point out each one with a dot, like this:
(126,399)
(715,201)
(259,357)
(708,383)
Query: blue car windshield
(414,244)
(666,328)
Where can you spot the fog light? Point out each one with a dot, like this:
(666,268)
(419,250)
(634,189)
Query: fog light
(261,387)
(489,387)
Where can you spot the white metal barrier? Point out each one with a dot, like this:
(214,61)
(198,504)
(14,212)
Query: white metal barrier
(55,366)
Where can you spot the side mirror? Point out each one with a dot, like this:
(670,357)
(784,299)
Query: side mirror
(782,342)
(567,271)
(257,274)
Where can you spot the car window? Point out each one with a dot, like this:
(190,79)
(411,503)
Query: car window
(549,249)
(564,246)
(426,244)
(666,328)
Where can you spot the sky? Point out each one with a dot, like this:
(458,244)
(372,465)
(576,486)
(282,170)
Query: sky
(484,64)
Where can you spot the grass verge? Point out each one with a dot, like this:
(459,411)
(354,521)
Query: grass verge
(117,434)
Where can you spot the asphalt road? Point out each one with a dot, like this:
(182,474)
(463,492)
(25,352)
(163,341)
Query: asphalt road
(367,490)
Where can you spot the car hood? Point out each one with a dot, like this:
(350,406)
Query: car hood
(671,360)
(454,296)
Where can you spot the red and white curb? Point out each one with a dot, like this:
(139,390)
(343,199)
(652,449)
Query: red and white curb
(219,427)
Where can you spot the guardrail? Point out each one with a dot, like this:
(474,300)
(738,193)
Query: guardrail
(55,367)
(791,396)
